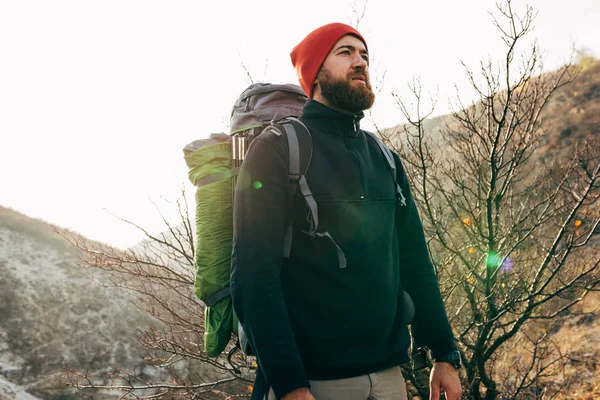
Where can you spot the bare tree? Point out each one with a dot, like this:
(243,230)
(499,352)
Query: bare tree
(159,272)
(358,14)
(511,237)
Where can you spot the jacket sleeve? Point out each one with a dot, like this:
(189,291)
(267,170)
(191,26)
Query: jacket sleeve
(261,212)
(430,324)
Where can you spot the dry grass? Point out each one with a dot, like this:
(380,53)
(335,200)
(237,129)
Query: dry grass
(568,365)
(579,338)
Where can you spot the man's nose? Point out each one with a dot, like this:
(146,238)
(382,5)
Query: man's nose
(359,62)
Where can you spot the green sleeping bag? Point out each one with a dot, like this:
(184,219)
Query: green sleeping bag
(209,163)
(213,164)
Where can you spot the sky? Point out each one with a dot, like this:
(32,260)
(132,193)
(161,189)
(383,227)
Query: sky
(98,98)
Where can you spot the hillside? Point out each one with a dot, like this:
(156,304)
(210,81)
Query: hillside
(578,337)
(52,315)
(572,114)
(10,391)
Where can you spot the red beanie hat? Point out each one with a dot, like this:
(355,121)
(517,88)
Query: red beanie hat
(308,56)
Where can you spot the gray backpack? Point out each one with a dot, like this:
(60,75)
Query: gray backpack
(265,107)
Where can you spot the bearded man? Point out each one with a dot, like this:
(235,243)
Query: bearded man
(320,330)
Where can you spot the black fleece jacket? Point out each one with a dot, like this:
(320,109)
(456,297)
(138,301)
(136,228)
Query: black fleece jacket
(307,318)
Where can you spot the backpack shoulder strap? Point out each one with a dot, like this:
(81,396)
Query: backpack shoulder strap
(297,180)
(292,127)
(387,154)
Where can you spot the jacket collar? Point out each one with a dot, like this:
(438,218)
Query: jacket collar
(332,121)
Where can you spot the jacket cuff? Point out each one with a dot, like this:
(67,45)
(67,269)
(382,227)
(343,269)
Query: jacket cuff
(285,380)
(442,347)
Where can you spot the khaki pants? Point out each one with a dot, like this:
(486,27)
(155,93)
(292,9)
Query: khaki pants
(383,385)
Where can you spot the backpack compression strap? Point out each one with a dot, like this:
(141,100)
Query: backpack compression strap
(299,180)
(387,153)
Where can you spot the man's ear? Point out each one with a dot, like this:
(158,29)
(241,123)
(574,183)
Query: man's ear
(315,86)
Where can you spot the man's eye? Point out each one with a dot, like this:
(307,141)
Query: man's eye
(365,57)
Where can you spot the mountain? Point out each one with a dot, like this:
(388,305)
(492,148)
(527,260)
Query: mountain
(53,313)
(572,114)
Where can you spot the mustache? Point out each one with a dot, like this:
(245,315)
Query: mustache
(360,75)
(357,74)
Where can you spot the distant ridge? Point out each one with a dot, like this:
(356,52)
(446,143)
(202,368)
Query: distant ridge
(572,114)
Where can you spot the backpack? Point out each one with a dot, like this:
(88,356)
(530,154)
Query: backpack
(213,166)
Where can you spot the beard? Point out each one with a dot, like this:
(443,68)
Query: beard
(342,94)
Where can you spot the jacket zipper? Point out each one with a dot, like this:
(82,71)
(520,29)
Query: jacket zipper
(357,161)
(361,184)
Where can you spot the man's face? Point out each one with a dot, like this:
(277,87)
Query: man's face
(343,81)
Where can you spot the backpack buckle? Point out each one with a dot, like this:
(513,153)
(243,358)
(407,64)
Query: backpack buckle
(294,178)
(295,183)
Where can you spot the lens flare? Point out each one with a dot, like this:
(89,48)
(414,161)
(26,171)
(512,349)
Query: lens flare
(507,265)
(257,184)
(493,260)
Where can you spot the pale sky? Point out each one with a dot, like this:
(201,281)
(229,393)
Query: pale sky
(98,98)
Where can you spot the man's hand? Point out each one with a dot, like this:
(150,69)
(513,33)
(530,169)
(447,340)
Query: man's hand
(444,377)
(298,394)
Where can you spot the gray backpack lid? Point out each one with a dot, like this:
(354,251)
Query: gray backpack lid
(262,103)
